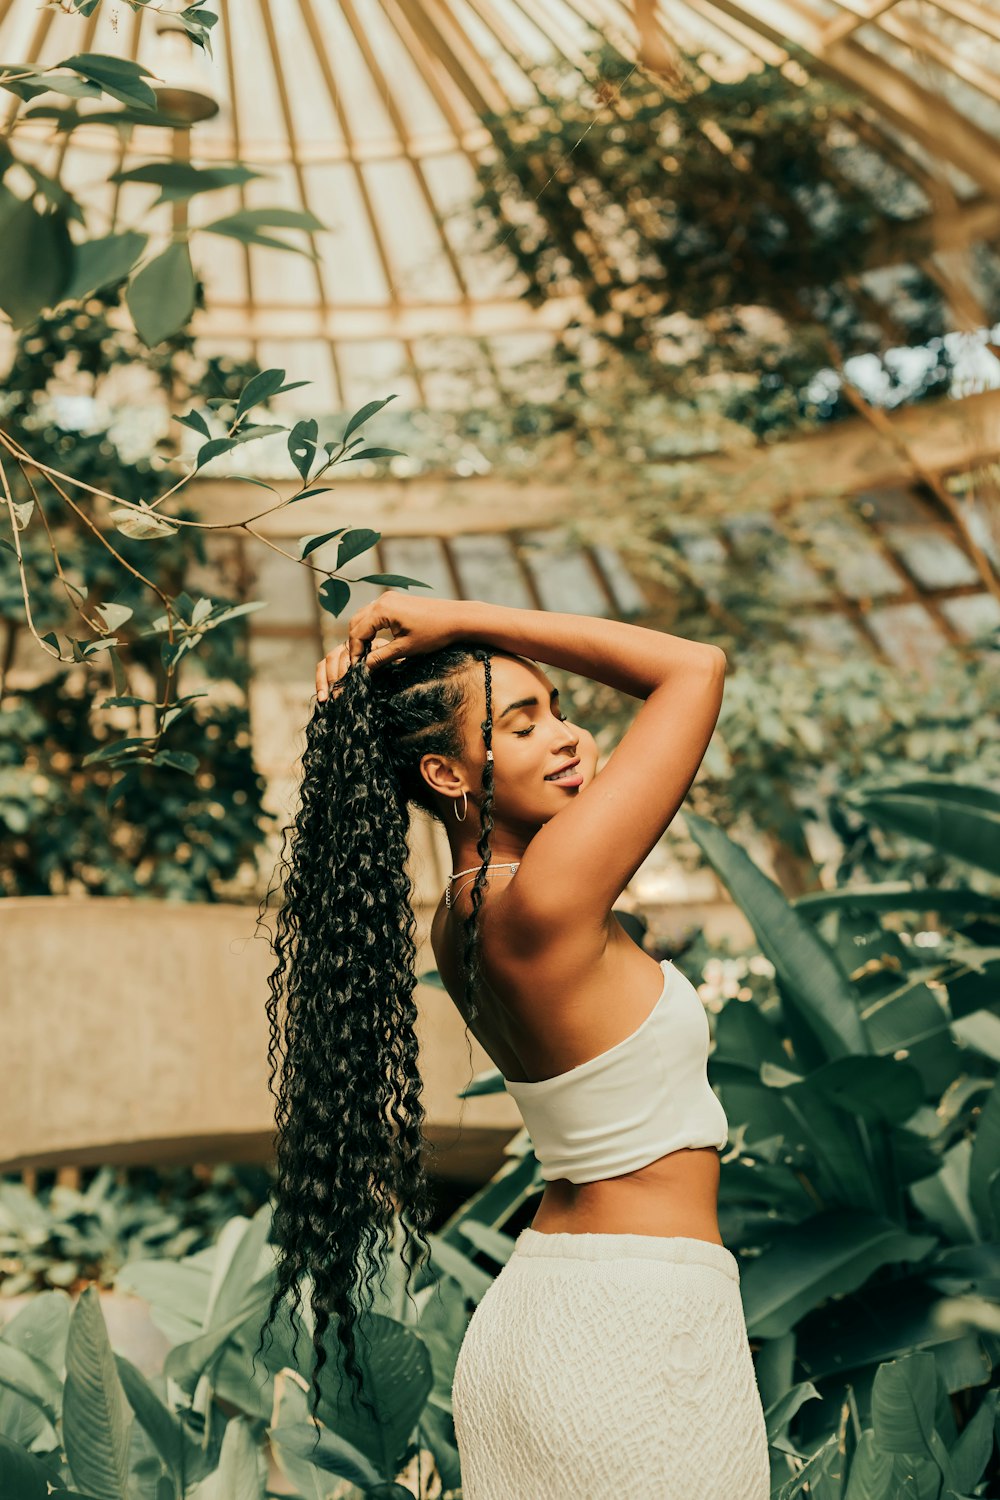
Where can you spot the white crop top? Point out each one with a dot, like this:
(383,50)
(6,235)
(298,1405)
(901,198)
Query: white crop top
(644,1097)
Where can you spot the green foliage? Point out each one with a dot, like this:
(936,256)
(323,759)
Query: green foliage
(157,637)
(192,819)
(730,244)
(59,1236)
(187,826)
(796,738)
(44,265)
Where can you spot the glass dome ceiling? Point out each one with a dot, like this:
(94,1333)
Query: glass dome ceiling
(369,113)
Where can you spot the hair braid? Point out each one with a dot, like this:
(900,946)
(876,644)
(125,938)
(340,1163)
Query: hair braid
(471,951)
(349,1144)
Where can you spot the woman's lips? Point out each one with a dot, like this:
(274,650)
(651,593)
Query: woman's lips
(573,779)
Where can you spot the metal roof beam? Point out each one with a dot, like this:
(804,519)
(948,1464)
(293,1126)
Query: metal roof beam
(926,116)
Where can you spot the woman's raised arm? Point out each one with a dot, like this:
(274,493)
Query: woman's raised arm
(577,865)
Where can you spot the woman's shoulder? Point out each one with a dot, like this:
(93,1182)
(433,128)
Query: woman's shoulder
(515,954)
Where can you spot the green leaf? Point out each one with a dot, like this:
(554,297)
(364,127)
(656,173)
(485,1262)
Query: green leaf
(103,262)
(235,611)
(363,414)
(802,960)
(327,1451)
(120,788)
(310,543)
(963,821)
(141,525)
(871,1476)
(302,445)
(893,895)
(398,1379)
(196,422)
(178,1450)
(96,1418)
(181,760)
(806,1264)
(243,226)
(40,1327)
(354,543)
(22,1477)
(36,263)
(904,1396)
(971,1453)
(114,615)
(117,76)
(393,580)
(319,489)
(212,448)
(943,1197)
(240,1474)
(59,196)
(180,180)
(780,1413)
(161,297)
(133,115)
(254,430)
(31,1379)
(187,1362)
(274,218)
(376,453)
(24,88)
(984,1162)
(259,388)
(878,1089)
(107,751)
(334,595)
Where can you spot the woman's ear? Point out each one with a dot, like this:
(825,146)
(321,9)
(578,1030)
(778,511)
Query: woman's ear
(441,775)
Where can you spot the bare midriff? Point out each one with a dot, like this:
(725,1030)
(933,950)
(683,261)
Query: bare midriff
(676,1195)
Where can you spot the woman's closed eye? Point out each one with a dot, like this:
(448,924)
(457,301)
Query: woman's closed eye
(563,719)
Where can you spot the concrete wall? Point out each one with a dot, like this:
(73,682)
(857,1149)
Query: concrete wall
(135,1031)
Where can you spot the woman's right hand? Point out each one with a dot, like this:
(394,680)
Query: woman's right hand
(417,626)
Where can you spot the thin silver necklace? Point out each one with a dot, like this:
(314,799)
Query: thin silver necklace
(511,866)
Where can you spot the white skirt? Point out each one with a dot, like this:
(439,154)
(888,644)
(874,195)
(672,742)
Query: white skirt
(601,1365)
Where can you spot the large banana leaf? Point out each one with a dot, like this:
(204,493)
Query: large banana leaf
(904,1397)
(397,1380)
(984,1167)
(22,1475)
(871,1472)
(240,1474)
(847,1339)
(97,1422)
(963,821)
(878,1089)
(508,1189)
(893,895)
(802,960)
(804,1264)
(185,1460)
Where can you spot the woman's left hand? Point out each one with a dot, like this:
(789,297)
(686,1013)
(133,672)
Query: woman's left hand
(330,671)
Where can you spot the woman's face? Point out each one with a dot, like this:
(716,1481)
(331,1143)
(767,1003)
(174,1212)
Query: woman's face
(531,740)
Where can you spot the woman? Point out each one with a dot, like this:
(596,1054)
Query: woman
(610,1355)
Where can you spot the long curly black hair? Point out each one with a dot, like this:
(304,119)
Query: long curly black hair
(348,1115)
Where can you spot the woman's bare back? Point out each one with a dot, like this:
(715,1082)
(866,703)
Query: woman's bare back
(544,1013)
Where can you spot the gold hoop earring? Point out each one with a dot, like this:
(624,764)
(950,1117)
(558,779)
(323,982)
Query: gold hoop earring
(464,810)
